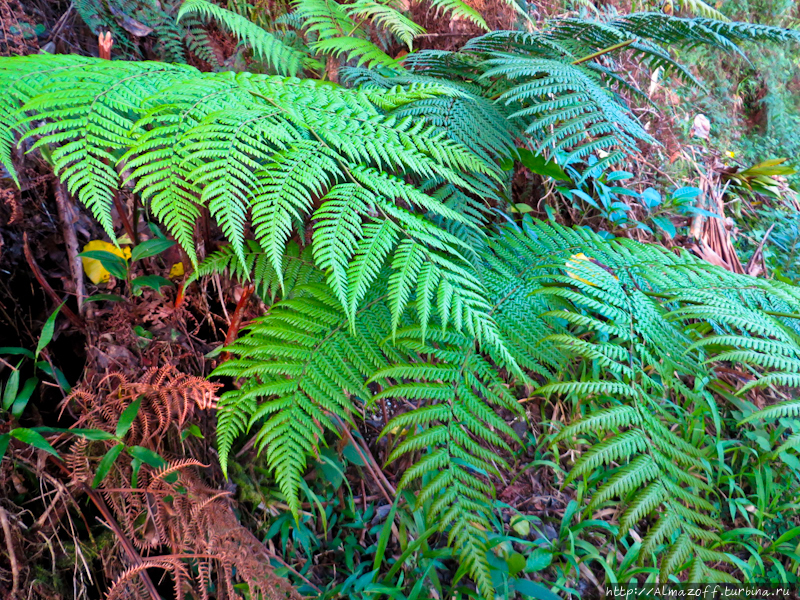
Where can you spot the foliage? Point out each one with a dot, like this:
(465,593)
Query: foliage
(131,20)
(601,194)
(121,267)
(318,29)
(558,84)
(305,373)
(753,103)
(15,399)
(284,59)
(344,151)
(363,218)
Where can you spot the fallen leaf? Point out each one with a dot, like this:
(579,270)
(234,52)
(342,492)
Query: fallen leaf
(176,271)
(94,270)
(701,127)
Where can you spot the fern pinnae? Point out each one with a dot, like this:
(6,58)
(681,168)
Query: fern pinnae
(284,59)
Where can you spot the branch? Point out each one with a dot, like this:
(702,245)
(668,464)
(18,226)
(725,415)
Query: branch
(66,311)
(600,53)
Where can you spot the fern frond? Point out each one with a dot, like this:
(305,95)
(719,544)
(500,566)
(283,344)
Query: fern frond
(365,51)
(284,59)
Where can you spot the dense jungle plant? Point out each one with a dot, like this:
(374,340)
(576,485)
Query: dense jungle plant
(364,217)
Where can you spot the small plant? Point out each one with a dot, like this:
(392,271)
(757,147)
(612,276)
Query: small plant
(121,267)
(15,398)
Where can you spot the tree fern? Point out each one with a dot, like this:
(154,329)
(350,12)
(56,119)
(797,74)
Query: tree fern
(557,83)
(303,359)
(369,228)
(260,148)
(633,318)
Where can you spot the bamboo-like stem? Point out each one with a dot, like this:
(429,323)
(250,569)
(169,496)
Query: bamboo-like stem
(600,53)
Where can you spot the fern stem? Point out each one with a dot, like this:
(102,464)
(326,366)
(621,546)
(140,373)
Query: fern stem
(236,321)
(600,53)
(370,463)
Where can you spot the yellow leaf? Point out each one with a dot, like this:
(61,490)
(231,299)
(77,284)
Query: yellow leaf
(93,268)
(176,271)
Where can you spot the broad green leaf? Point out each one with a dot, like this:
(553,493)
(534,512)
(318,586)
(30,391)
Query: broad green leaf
(104,297)
(151,281)
(665,225)
(515,562)
(147,456)
(521,525)
(789,535)
(193,430)
(56,374)
(89,434)
(150,248)
(5,439)
(35,439)
(47,331)
(106,463)
(116,265)
(383,540)
(538,559)
(136,465)
(686,193)
(127,417)
(352,455)
(21,401)
(12,387)
(532,589)
(16,351)
(541,166)
(650,198)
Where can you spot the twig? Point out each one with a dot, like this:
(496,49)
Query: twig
(12,557)
(293,570)
(66,310)
(600,53)
(62,20)
(371,465)
(67,217)
(123,216)
(759,250)
(438,35)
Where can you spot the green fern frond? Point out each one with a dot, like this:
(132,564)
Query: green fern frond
(459,10)
(284,59)
(353,48)
(383,14)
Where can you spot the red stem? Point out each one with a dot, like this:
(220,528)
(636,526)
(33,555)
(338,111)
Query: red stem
(66,311)
(236,319)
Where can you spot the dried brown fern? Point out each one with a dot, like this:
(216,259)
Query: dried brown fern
(169,508)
